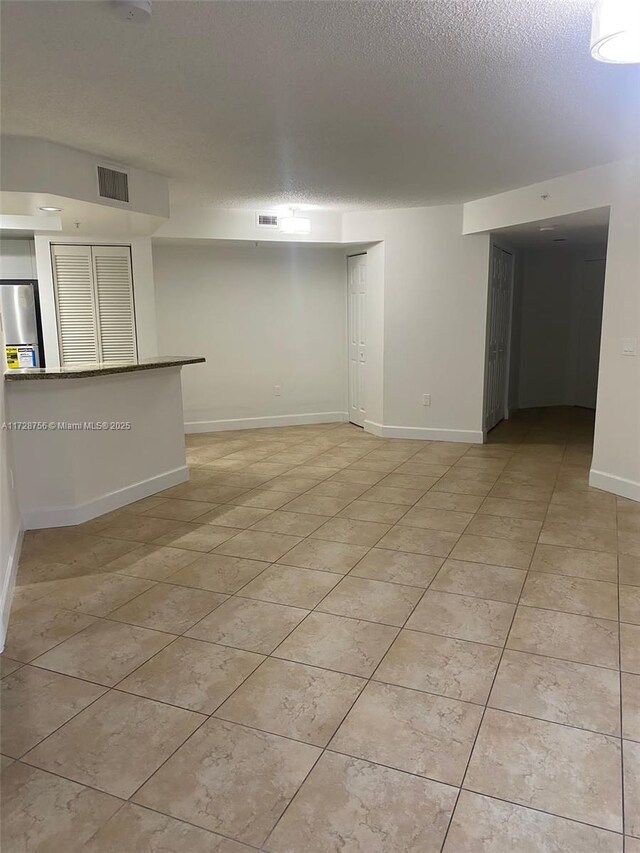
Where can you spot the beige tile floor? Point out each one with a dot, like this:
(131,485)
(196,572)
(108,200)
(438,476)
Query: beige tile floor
(327,641)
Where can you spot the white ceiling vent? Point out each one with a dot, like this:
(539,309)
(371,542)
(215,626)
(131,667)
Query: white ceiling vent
(113,184)
(267,220)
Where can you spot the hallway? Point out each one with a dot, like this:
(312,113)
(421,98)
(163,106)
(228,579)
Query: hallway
(327,641)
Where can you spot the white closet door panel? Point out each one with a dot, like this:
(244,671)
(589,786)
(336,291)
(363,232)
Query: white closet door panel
(114,293)
(498,334)
(357,289)
(75,304)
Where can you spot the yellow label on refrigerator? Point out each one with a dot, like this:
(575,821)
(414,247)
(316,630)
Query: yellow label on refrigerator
(12,357)
(20,356)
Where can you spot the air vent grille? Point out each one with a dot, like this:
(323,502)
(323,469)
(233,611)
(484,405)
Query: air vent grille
(113,184)
(267,220)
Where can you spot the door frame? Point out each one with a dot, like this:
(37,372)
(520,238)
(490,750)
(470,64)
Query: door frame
(577,308)
(497,244)
(507,373)
(348,312)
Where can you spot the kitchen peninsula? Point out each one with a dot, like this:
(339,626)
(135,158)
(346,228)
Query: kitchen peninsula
(89,439)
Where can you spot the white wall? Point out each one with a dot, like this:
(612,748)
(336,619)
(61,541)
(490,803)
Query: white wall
(435,293)
(266,316)
(10,525)
(68,476)
(548,304)
(17,259)
(143,291)
(616,457)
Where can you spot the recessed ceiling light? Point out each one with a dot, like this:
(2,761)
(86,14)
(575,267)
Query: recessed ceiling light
(547,227)
(51,209)
(615,31)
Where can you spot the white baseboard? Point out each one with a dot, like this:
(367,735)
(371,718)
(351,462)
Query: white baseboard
(261,423)
(67,515)
(373,428)
(425,433)
(617,485)
(9,573)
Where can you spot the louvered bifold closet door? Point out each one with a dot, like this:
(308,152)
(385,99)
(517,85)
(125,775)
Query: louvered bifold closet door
(75,304)
(114,294)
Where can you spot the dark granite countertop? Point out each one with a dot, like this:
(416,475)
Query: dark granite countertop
(88,370)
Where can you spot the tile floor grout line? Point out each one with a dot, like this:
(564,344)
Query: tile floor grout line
(117,686)
(322,749)
(486,705)
(122,805)
(364,686)
(541,811)
(197,639)
(59,775)
(127,802)
(308,536)
(57,729)
(344,717)
(212,832)
(360,693)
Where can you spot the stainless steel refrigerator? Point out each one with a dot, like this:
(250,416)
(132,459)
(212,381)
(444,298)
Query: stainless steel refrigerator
(20,309)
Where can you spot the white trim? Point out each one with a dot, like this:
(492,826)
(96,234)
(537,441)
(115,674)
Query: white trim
(67,515)
(270,421)
(373,428)
(468,436)
(617,485)
(6,594)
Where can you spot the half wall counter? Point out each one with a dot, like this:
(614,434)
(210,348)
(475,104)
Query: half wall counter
(87,440)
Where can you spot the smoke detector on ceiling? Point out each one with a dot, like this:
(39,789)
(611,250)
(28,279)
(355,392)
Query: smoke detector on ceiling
(134,11)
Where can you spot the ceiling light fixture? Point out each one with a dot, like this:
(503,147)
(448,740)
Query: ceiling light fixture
(293,224)
(134,11)
(615,31)
(50,209)
(547,227)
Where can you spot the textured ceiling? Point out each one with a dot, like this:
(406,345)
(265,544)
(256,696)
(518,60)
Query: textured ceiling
(345,104)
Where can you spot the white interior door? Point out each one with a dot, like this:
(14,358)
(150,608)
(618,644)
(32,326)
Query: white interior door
(357,282)
(498,334)
(589,331)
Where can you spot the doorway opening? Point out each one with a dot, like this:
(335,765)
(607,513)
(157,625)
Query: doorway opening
(356,325)
(544,322)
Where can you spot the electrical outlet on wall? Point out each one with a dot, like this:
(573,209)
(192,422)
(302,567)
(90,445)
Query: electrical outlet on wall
(277,390)
(426,399)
